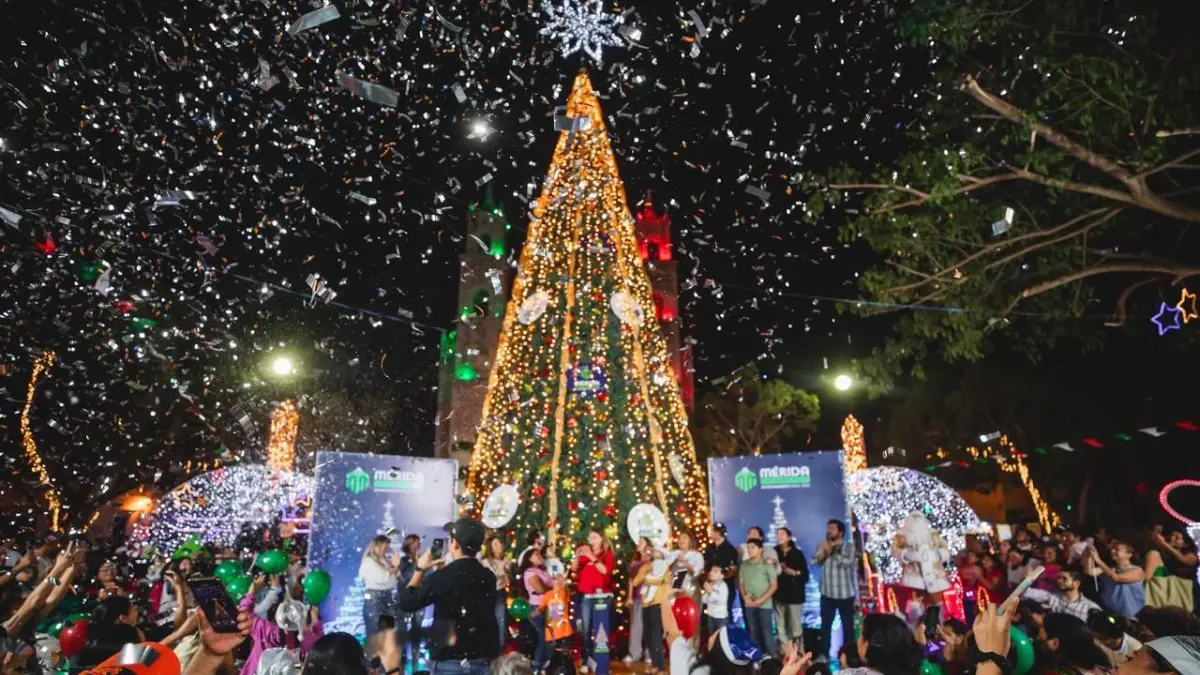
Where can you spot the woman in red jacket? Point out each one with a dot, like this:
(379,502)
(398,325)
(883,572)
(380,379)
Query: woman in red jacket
(594,569)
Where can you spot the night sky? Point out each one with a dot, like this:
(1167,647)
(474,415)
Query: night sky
(107,110)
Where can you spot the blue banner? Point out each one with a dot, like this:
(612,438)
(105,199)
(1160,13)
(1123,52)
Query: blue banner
(358,497)
(799,491)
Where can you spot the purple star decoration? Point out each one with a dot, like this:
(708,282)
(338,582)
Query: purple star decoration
(1158,320)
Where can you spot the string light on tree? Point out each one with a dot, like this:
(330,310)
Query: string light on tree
(583,410)
(582,25)
(41,364)
(1012,460)
(281,444)
(853,446)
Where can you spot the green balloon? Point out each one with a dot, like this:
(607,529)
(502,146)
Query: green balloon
(930,668)
(57,627)
(272,562)
(78,616)
(519,609)
(238,586)
(227,570)
(316,586)
(1023,648)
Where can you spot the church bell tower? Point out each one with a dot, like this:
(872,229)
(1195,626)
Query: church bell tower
(653,231)
(468,350)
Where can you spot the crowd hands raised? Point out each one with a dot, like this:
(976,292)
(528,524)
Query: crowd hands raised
(1102,604)
(68,606)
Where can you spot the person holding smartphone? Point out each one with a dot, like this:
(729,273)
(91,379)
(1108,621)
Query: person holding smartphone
(463,595)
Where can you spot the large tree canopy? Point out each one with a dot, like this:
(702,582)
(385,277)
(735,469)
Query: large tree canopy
(752,415)
(1080,117)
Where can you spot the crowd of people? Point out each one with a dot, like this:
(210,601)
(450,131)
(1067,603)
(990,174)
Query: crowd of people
(1102,603)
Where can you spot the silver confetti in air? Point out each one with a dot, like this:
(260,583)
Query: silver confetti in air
(760,193)
(314,18)
(375,93)
(1001,226)
(173,198)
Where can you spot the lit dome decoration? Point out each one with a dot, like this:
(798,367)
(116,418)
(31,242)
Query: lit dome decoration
(215,506)
(881,497)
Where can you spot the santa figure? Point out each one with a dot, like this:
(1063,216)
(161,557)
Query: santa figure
(923,554)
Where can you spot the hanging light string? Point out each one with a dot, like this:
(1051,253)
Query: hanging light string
(41,364)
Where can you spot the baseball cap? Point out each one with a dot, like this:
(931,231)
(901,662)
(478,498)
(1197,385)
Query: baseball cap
(720,528)
(469,534)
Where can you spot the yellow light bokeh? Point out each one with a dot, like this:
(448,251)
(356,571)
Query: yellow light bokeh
(40,365)
(537,435)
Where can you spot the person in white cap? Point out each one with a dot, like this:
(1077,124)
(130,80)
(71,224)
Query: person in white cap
(1178,654)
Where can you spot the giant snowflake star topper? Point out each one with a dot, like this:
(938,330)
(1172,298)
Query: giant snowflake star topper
(582,25)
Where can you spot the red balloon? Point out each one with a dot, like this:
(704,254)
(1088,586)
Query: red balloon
(72,638)
(687,615)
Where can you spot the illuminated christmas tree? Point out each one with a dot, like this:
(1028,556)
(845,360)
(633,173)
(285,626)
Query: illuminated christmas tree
(583,412)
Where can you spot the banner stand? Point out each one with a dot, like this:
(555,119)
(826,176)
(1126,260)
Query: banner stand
(601,629)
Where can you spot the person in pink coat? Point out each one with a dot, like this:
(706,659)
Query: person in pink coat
(267,634)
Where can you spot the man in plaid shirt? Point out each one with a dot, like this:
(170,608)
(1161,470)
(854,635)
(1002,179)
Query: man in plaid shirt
(1068,599)
(839,585)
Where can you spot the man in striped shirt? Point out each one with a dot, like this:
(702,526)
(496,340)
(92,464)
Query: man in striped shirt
(839,585)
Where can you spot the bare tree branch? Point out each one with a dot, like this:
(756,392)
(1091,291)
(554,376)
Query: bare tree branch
(1017,116)
(1178,272)
(999,246)
(1139,192)
(1119,317)
(1178,162)
(1050,242)
(1188,131)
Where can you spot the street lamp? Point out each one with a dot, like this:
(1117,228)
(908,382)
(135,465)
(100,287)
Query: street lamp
(282,366)
(842,382)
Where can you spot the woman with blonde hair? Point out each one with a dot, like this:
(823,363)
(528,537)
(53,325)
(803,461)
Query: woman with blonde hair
(378,573)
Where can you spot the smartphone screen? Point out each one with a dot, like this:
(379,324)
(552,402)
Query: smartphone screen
(678,582)
(438,549)
(218,607)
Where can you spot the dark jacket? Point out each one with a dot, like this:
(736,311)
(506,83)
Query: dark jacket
(463,595)
(791,588)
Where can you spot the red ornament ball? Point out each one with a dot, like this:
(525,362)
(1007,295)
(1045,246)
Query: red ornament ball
(573,506)
(601,474)
(679,508)
(539,491)
(602,397)
(610,510)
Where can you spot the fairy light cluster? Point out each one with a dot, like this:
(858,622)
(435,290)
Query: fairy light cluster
(853,446)
(217,505)
(1047,517)
(281,444)
(41,364)
(882,497)
(584,458)
(1012,460)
